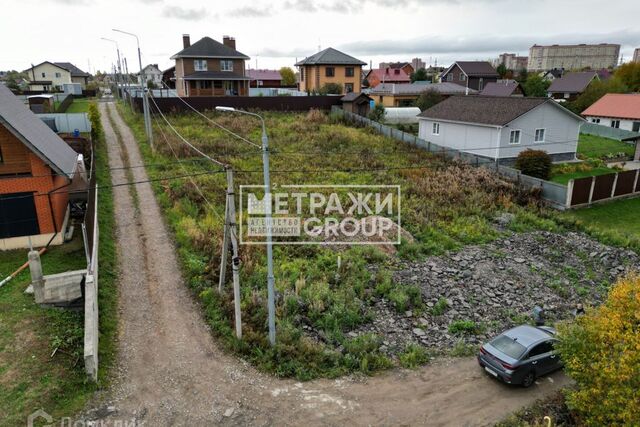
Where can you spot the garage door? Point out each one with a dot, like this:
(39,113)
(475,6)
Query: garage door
(18,215)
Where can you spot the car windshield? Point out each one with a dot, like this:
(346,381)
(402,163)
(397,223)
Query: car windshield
(509,347)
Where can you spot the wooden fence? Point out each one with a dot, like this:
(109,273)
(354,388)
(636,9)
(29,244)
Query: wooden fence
(596,189)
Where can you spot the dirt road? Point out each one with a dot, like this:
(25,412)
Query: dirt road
(170,371)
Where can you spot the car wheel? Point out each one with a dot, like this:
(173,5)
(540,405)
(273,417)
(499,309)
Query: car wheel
(528,379)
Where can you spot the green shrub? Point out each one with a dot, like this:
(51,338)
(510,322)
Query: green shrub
(413,356)
(331,89)
(464,327)
(377,114)
(536,163)
(600,352)
(440,307)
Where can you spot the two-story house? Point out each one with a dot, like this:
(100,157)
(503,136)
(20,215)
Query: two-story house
(152,74)
(210,68)
(36,170)
(471,74)
(47,76)
(330,66)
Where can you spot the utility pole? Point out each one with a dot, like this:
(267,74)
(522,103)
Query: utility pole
(118,64)
(230,237)
(271,306)
(145,100)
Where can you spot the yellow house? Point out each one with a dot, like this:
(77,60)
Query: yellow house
(330,66)
(47,76)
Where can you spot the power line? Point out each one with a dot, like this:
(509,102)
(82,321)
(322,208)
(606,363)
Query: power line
(214,123)
(153,116)
(183,139)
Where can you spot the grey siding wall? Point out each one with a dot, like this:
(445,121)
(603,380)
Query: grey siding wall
(561,132)
(480,140)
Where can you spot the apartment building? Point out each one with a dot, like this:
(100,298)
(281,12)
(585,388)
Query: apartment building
(573,57)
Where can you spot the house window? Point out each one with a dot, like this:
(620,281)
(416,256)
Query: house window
(348,72)
(481,84)
(348,87)
(301,74)
(192,84)
(329,71)
(449,77)
(1,159)
(205,84)
(58,75)
(200,64)
(635,128)
(615,124)
(435,129)
(514,137)
(595,120)
(226,65)
(44,75)
(463,77)
(539,135)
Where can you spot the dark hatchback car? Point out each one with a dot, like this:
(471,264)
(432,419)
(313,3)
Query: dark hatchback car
(520,355)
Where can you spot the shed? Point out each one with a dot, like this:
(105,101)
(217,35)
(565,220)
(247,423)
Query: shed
(357,103)
(42,103)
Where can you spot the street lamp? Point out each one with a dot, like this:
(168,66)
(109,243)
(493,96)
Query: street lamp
(119,67)
(145,102)
(271,306)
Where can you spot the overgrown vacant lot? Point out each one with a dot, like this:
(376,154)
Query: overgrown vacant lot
(327,316)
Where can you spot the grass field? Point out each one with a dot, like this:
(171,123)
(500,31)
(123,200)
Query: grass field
(79,105)
(597,147)
(619,217)
(566,177)
(445,206)
(30,377)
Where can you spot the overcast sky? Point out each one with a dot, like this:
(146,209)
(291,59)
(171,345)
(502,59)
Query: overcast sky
(276,32)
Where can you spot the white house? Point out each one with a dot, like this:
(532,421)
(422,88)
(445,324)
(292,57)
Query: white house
(47,76)
(152,73)
(616,110)
(500,128)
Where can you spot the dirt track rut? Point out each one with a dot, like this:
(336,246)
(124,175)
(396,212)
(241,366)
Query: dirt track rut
(170,370)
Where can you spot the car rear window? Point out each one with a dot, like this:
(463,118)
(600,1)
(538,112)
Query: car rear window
(509,347)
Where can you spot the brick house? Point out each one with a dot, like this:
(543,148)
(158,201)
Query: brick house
(35,168)
(471,74)
(330,66)
(387,75)
(210,68)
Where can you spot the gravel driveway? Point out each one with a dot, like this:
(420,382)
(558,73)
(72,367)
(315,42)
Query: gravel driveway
(170,370)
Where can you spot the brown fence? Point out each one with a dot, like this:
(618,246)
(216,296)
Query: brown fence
(64,104)
(272,103)
(585,191)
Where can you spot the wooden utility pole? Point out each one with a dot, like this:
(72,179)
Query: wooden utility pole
(230,237)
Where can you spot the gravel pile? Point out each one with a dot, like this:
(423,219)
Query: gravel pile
(489,288)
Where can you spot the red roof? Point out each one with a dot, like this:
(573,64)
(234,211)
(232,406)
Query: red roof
(390,75)
(263,74)
(617,105)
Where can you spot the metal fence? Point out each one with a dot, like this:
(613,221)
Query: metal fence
(273,103)
(68,122)
(555,194)
(609,132)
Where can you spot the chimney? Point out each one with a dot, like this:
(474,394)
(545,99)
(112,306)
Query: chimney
(186,41)
(229,42)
